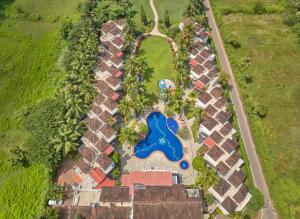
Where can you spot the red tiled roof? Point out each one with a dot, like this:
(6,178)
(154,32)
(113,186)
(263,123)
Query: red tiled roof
(199,85)
(115,96)
(109,150)
(119,74)
(107,183)
(149,178)
(193,62)
(209,142)
(77,178)
(97,175)
(119,54)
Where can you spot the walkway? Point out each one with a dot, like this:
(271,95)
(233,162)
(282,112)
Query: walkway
(155,30)
(257,173)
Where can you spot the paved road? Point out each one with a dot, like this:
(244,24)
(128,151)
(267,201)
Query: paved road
(257,173)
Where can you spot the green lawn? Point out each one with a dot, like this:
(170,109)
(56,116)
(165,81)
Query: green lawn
(274,51)
(29,50)
(174,7)
(159,57)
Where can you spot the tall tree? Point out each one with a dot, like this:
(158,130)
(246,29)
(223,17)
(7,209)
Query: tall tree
(167,22)
(206,178)
(128,136)
(143,16)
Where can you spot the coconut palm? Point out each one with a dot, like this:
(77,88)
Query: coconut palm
(206,178)
(197,113)
(75,107)
(66,140)
(125,108)
(139,104)
(128,136)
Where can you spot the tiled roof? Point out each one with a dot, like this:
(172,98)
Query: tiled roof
(115,194)
(222,187)
(210,110)
(216,92)
(209,123)
(226,129)
(209,65)
(149,178)
(204,97)
(212,73)
(216,137)
(110,104)
(83,166)
(237,178)
(97,175)
(200,59)
(222,168)
(215,153)
(99,99)
(113,81)
(220,103)
(102,145)
(118,41)
(241,194)
(104,88)
(107,131)
(93,124)
(205,54)
(229,205)
(96,109)
(223,116)
(233,159)
(229,145)
(91,137)
(104,161)
(87,153)
(198,69)
(106,117)
(205,80)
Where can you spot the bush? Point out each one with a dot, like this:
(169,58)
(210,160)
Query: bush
(257,202)
(234,43)
(116,158)
(198,163)
(259,8)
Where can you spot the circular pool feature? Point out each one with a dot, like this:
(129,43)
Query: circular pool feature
(184,165)
(172,125)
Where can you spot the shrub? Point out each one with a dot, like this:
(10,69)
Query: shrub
(198,163)
(234,43)
(259,8)
(116,158)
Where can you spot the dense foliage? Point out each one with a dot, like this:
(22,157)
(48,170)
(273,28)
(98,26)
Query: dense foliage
(292,15)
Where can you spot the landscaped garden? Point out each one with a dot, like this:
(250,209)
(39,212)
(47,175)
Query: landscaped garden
(159,57)
(266,67)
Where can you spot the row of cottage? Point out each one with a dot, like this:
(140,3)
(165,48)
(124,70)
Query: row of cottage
(216,131)
(99,140)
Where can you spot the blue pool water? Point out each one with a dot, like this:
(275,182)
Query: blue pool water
(184,164)
(172,125)
(159,138)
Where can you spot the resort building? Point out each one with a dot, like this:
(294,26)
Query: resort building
(216,131)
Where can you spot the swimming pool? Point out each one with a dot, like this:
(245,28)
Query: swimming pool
(159,138)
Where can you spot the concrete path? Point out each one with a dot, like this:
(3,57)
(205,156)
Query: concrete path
(257,173)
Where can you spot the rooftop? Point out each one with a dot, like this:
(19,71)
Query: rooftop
(115,194)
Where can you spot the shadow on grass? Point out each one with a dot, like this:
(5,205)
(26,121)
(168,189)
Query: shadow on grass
(3,5)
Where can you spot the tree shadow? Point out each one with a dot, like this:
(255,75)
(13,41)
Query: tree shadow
(3,5)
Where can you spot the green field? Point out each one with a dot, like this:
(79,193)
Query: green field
(159,56)
(137,7)
(175,9)
(29,49)
(274,54)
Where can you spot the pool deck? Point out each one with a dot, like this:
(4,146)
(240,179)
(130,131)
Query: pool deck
(157,159)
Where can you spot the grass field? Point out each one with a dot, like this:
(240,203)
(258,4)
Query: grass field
(137,7)
(29,50)
(175,9)
(274,53)
(159,56)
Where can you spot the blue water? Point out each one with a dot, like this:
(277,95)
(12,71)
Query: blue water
(159,138)
(172,125)
(184,164)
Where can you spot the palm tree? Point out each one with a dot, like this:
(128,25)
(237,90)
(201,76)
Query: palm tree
(139,104)
(66,140)
(125,108)
(75,107)
(197,113)
(128,136)
(206,178)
